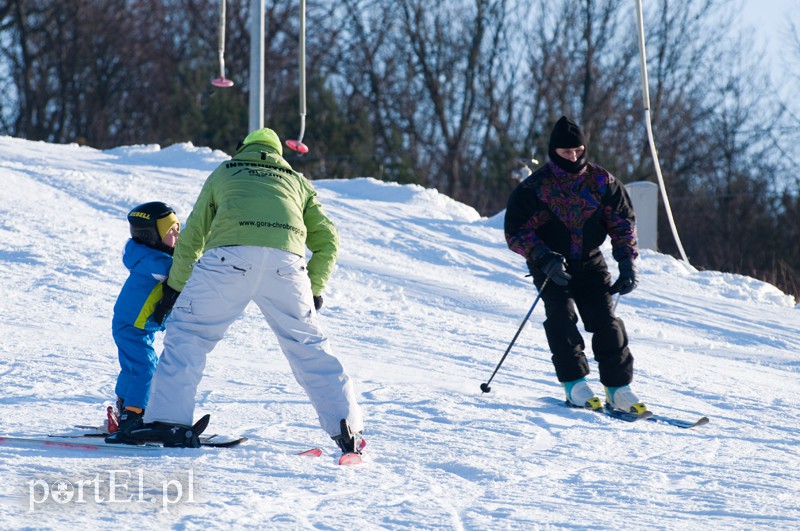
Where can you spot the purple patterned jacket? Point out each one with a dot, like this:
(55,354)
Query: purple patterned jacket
(570,214)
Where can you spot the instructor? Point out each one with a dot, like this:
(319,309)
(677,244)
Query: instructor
(245,240)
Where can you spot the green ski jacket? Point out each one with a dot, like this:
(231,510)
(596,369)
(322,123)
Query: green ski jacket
(257,199)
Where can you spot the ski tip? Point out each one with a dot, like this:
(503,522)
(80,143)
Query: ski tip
(350,458)
(201,425)
(211,442)
(314,452)
(680,423)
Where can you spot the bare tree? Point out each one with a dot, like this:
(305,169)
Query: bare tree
(82,72)
(447,48)
(447,94)
(582,62)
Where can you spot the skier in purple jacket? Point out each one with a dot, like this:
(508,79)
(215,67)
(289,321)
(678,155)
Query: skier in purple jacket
(557,219)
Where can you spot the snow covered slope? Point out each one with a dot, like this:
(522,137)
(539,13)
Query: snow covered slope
(424,301)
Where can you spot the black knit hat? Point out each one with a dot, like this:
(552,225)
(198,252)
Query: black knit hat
(567,134)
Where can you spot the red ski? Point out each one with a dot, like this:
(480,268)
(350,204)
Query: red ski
(354,458)
(350,458)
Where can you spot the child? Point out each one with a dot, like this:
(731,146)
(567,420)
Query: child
(148,255)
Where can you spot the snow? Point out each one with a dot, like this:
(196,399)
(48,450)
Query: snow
(423,302)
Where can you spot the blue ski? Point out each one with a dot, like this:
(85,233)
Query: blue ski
(686,424)
(613,413)
(626,416)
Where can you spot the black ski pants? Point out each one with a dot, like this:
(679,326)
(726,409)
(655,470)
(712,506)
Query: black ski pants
(588,291)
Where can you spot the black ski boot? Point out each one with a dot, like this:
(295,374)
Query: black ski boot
(128,421)
(169,435)
(348,441)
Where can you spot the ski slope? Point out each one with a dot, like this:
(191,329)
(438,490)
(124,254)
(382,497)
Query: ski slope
(421,306)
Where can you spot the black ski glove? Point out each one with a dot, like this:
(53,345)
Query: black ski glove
(166,303)
(317,302)
(627,281)
(553,265)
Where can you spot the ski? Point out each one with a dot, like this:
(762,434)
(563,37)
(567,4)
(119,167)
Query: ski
(218,441)
(625,415)
(99,429)
(354,458)
(647,415)
(314,452)
(350,458)
(96,444)
(613,413)
(214,441)
(685,424)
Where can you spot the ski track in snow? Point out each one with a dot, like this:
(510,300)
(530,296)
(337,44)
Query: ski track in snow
(423,303)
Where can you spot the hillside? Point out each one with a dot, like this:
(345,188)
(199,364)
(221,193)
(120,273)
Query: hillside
(424,301)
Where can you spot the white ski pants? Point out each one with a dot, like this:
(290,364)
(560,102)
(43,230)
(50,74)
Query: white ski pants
(223,283)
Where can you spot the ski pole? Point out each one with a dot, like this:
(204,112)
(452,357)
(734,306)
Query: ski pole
(485,386)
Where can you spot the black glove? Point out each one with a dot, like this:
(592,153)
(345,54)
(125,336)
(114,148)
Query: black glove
(317,302)
(553,265)
(627,280)
(166,303)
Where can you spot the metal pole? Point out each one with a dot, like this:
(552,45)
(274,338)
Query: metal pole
(257,14)
(298,145)
(649,125)
(221,81)
(302,63)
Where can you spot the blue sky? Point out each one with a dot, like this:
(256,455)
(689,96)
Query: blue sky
(770,19)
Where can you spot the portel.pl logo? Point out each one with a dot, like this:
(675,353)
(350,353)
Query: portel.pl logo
(114,486)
